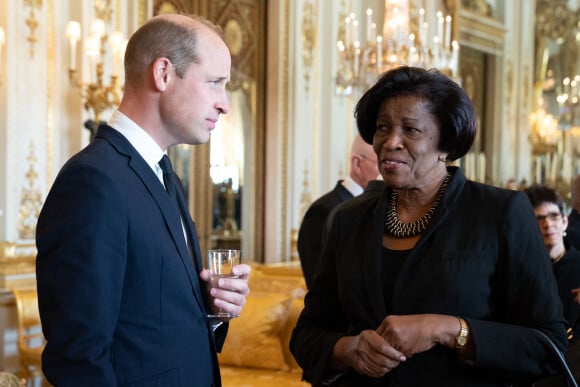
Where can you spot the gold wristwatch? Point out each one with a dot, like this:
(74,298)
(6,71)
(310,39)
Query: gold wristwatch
(463,335)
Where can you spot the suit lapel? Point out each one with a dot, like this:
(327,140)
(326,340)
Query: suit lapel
(189,228)
(166,205)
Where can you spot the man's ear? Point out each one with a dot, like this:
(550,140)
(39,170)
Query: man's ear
(162,73)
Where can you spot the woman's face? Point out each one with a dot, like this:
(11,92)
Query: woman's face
(406,143)
(552,223)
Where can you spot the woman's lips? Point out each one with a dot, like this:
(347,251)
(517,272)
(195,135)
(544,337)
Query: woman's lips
(391,164)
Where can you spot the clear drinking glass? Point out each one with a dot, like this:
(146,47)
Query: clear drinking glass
(220,263)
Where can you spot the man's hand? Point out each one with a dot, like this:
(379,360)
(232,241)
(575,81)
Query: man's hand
(228,294)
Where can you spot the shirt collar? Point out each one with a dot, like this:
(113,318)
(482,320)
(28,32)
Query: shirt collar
(139,139)
(352,186)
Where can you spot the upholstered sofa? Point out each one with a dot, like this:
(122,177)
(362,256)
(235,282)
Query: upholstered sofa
(256,351)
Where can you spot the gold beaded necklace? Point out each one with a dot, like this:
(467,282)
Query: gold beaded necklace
(395,227)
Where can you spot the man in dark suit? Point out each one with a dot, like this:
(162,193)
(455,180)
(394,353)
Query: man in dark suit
(122,294)
(363,168)
(573,230)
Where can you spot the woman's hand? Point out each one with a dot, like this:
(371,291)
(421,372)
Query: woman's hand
(413,334)
(368,354)
(576,293)
(228,294)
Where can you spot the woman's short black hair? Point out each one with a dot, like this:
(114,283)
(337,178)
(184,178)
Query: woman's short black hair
(448,101)
(541,193)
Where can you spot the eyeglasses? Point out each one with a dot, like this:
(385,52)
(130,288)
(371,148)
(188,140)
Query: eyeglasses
(552,216)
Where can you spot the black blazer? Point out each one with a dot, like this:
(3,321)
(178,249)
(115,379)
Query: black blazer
(573,229)
(482,257)
(311,228)
(119,295)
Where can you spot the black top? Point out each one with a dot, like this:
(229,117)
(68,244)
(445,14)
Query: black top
(392,262)
(573,229)
(567,273)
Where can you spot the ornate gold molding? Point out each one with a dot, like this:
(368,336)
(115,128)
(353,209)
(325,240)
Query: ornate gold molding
(481,33)
(305,197)
(31,201)
(17,264)
(32,23)
(554,19)
(309,12)
(284,59)
(50,60)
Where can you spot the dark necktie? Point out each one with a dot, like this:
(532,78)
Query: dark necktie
(165,165)
(169,181)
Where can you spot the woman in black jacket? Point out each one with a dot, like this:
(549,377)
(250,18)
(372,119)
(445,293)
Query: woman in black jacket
(565,258)
(436,280)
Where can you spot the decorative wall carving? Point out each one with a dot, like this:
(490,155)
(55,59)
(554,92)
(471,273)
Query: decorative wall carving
(31,201)
(32,23)
(554,19)
(309,13)
(480,7)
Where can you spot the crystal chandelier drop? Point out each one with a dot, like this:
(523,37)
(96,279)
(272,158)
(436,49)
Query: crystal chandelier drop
(406,39)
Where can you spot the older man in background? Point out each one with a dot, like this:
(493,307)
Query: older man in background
(363,169)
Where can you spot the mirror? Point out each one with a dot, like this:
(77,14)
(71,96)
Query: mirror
(228,171)
(224,179)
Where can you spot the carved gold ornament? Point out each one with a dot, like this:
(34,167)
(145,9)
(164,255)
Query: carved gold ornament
(32,23)
(234,37)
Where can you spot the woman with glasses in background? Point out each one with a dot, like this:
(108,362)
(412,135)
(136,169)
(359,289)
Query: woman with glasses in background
(549,210)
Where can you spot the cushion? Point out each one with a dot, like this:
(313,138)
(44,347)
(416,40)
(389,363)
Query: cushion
(295,309)
(254,338)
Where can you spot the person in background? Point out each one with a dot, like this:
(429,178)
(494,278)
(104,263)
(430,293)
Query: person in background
(363,168)
(122,294)
(436,280)
(549,210)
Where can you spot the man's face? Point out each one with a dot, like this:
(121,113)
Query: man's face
(192,105)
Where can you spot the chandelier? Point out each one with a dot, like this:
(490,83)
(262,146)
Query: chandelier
(406,39)
(568,102)
(104,51)
(545,133)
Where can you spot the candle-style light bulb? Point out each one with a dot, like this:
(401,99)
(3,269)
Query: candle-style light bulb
(98,28)
(448,32)
(73,33)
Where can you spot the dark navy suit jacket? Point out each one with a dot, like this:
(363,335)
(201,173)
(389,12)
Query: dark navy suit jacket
(311,228)
(119,295)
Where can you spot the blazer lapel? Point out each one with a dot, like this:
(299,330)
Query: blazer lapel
(190,229)
(167,206)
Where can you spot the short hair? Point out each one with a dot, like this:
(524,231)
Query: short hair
(164,37)
(447,100)
(541,193)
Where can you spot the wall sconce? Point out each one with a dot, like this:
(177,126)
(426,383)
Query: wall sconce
(97,95)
